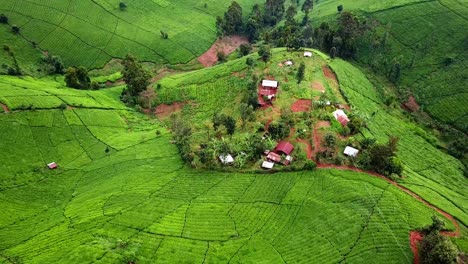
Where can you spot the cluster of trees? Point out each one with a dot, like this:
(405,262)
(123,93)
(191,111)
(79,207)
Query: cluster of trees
(53,64)
(182,133)
(262,22)
(232,22)
(435,248)
(227,121)
(78,78)
(136,78)
(282,128)
(380,158)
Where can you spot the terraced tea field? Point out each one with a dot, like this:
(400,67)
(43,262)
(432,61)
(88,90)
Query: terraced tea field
(122,194)
(90,33)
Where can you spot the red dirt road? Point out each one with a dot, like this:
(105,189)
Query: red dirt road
(415,239)
(226,45)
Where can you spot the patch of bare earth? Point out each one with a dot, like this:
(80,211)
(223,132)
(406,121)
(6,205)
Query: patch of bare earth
(318,86)
(226,45)
(5,108)
(301,105)
(411,105)
(329,74)
(164,110)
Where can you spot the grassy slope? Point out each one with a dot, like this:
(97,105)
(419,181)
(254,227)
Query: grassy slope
(25,54)
(139,200)
(90,33)
(426,32)
(434,175)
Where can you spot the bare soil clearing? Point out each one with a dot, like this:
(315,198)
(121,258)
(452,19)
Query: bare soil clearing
(301,105)
(411,105)
(318,86)
(329,74)
(226,45)
(164,110)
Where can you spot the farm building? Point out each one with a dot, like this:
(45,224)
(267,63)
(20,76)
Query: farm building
(268,165)
(287,160)
(341,117)
(272,156)
(226,159)
(307,54)
(52,165)
(269,84)
(284,147)
(350,151)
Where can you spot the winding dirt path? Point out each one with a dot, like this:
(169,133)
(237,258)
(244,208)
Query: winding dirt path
(415,237)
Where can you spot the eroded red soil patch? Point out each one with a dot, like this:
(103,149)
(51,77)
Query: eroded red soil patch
(301,105)
(164,110)
(226,45)
(329,74)
(5,108)
(411,105)
(318,86)
(415,239)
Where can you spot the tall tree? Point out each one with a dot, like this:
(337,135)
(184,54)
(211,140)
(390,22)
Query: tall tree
(230,124)
(77,77)
(233,19)
(307,6)
(274,10)
(300,73)
(265,52)
(136,78)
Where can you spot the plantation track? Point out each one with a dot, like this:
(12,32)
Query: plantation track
(415,236)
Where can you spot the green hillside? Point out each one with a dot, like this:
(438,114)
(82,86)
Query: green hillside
(428,40)
(136,201)
(90,33)
(146,182)
(432,51)
(122,193)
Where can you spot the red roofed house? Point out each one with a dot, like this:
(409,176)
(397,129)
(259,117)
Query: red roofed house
(52,165)
(284,147)
(274,157)
(341,117)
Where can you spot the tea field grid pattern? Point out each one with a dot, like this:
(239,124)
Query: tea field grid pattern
(432,174)
(136,205)
(90,33)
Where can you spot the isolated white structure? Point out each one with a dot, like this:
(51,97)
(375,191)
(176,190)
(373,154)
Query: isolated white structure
(350,151)
(268,165)
(288,63)
(269,84)
(307,54)
(226,159)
